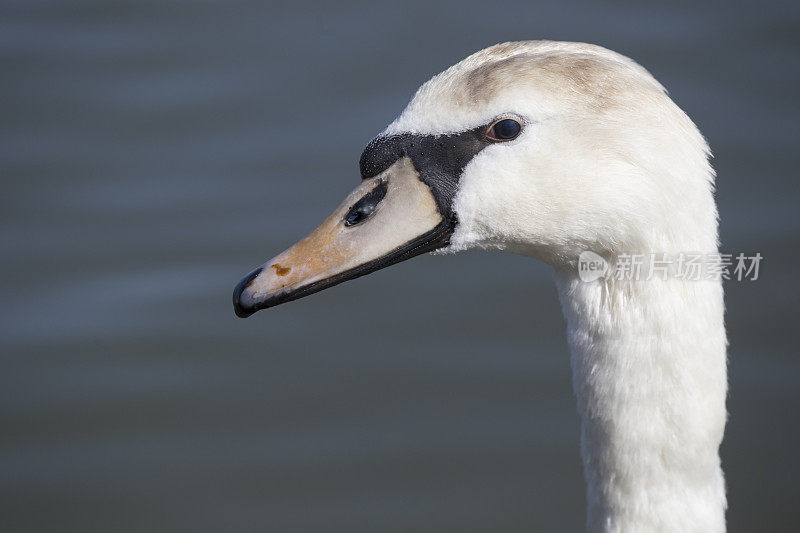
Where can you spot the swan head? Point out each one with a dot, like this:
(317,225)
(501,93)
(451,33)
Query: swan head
(541,148)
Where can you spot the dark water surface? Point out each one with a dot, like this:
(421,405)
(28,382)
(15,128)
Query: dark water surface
(153,152)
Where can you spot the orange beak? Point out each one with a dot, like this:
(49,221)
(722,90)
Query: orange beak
(387,219)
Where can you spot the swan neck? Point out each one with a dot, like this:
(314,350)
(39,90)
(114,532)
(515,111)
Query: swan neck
(649,372)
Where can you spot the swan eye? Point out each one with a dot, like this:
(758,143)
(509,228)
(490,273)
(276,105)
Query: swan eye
(363,208)
(504,130)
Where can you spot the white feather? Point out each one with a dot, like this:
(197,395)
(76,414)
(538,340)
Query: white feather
(606,162)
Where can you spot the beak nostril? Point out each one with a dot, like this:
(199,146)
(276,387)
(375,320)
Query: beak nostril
(366,205)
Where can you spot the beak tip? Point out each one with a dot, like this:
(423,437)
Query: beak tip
(242,310)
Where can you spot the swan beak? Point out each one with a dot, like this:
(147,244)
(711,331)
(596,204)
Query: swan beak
(387,219)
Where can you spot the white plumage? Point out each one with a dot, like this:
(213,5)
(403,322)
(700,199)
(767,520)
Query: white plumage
(606,162)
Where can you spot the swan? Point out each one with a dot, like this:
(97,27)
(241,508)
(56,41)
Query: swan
(552,150)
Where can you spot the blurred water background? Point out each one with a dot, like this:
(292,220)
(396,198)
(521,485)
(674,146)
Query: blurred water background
(153,152)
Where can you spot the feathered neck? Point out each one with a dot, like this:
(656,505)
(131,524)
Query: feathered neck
(649,372)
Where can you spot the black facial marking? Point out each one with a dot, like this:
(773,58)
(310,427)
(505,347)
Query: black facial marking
(363,208)
(439,159)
